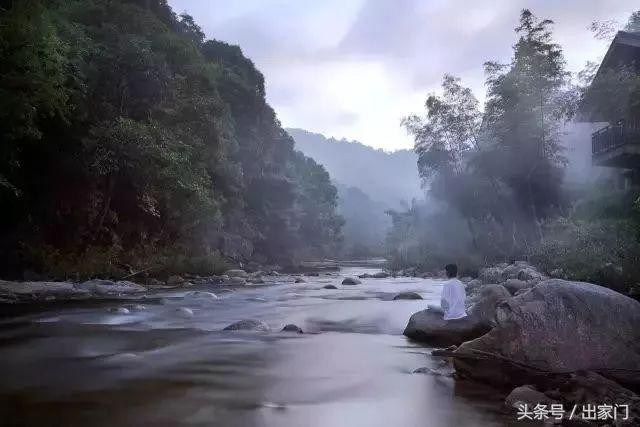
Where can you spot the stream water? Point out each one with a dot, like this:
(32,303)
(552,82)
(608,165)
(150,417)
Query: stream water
(80,364)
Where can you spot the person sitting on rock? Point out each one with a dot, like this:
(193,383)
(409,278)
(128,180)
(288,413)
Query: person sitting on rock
(453,296)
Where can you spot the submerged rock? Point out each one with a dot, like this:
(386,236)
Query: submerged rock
(300,280)
(351,281)
(428,326)
(434,372)
(330,287)
(184,312)
(381,275)
(364,276)
(119,310)
(563,326)
(237,281)
(201,294)
(407,295)
(248,325)
(292,328)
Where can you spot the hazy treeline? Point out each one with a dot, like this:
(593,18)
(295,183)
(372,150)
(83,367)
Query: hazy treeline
(496,173)
(129,140)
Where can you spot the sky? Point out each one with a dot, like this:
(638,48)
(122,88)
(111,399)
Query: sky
(354,68)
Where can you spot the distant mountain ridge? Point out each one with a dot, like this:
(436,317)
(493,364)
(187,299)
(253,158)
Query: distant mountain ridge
(387,177)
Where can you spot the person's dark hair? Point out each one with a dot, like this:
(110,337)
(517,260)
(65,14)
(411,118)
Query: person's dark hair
(451,269)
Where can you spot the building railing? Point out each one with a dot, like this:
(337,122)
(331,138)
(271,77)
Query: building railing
(614,136)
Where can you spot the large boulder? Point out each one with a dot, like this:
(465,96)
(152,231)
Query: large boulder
(40,289)
(380,275)
(515,285)
(491,275)
(407,295)
(527,395)
(428,326)
(561,326)
(485,308)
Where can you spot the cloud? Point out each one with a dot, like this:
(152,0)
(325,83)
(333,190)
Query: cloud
(353,69)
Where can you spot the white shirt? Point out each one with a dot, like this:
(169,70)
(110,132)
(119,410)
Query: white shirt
(452,300)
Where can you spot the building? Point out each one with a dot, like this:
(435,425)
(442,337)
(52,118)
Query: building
(617,143)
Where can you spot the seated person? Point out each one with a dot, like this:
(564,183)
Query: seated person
(453,296)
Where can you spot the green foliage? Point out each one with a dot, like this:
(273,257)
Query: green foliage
(125,130)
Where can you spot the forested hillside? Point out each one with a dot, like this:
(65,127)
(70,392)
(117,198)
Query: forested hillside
(387,177)
(130,140)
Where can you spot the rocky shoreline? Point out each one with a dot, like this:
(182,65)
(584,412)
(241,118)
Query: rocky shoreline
(546,340)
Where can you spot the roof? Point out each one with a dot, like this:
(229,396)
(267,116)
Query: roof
(623,50)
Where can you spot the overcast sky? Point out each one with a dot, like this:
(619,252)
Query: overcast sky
(354,68)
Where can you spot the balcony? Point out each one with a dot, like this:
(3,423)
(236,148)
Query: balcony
(616,146)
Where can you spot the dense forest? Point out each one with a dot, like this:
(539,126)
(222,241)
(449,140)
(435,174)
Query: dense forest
(129,142)
(497,173)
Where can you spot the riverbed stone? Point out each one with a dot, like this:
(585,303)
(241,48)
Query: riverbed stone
(407,295)
(248,325)
(175,280)
(292,328)
(428,326)
(119,310)
(201,294)
(300,280)
(108,287)
(380,275)
(40,289)
(236,272)
(351,281)
(184,312)
(237,281)
(563,326)
(330,287)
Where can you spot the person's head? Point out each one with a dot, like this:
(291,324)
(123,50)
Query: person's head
(451,269)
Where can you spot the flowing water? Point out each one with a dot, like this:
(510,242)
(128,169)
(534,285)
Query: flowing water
(79,364)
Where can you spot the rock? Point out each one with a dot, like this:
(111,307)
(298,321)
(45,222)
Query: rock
(255,281)
(153,282)
(136,307)
(107,287)
(530,274)
(300,280)
(364,276)
(485,308)
(527,395)
(515,285)
(557,273)
(330,287)
(466,279)
(312,274)
(434,372)
(175,281)
(381,275)
(224,290)
(201,294)
(292,328)
(40,289)
(238,281)
(248,325)
(429,326)
(474,284)
(427,275)
(184,312)
(563,326)
(407,295)
(236,273)
(119,310)
(351,281)
(491,275)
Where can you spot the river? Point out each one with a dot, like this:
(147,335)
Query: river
(79,364)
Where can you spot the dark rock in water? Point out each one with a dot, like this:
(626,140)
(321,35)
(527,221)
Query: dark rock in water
(527,395)
(312,273)
(330,287)
(562,326)
(381,275)
(153,282)
(351,281)
(300,280)
(292,328)
(407,295)
(248,325)
(184,312)
(119,310)
(428,326)
(364,276)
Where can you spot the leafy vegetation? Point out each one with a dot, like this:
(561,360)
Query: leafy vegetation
(128,137)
